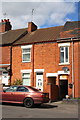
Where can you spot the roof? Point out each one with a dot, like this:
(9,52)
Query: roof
(71,30)
(21,36)
(41,35)
(70,25)
(70,33)
(10,36)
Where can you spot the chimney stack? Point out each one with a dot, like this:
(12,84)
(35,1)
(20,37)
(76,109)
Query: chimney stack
(31,27)
(5,25)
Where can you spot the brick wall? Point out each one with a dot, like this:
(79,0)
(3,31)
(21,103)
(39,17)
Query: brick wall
(45,56)
(5,55)
(17,64)
(76,67)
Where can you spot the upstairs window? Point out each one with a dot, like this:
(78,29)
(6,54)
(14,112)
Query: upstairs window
(64,54)
(26,53)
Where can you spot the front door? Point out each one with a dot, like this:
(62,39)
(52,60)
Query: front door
(39,81)
(63,88)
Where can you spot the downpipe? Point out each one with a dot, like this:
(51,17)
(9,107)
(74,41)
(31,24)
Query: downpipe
(72,68)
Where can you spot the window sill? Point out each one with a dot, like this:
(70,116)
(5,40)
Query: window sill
(64,63)
(26,61)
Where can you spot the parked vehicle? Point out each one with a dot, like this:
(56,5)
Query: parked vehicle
(24,94)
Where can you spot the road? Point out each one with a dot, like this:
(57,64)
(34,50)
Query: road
(49,110)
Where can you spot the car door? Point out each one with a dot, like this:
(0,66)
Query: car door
(20,93)
(8,94)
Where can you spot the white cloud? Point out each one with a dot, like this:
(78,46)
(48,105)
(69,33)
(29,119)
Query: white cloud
(48,13)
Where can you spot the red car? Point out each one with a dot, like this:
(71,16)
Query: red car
(24,94)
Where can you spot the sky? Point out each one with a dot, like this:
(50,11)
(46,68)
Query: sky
(47,13)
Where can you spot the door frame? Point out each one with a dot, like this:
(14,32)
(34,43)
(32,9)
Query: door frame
(66,86)
(41,73)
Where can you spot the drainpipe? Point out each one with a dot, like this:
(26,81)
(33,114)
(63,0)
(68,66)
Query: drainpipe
(72,68)
(33,65)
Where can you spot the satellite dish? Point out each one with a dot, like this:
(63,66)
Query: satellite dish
(65,69)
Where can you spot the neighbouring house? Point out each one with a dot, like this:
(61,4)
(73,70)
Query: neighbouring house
(48,59)
(7,38)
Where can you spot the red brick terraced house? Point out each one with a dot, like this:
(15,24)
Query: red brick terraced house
(48,59)
(7,38)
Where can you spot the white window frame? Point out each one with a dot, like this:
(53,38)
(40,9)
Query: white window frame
(64,51)
(26,47)
(64,45)
(26,71)
(27,77)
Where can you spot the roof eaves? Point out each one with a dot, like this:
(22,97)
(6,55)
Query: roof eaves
(68,39)
(9,44)
(34,42)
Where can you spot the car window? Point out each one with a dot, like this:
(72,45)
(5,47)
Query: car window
(22,89)
(11,89)
(34,89)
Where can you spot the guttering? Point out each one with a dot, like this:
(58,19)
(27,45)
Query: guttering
(68,39)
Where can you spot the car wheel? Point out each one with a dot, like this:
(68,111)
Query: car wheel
(28,102)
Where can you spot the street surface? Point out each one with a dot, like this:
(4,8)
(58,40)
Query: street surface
(49,110)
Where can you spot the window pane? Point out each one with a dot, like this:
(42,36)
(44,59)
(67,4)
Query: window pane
(66,54)
(26,81)
(26,54)
(11,89)
(26,50)
(26,57)
(62,49)
(26,74)
(62,55)
(22,89)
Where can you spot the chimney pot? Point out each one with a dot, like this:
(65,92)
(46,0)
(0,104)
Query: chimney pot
(5,26)
(5,20)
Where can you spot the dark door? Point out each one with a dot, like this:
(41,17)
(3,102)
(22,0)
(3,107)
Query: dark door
(21,93)
(63,88)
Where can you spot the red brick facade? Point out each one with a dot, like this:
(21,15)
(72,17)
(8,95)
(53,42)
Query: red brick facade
(5,55)
(47,56)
